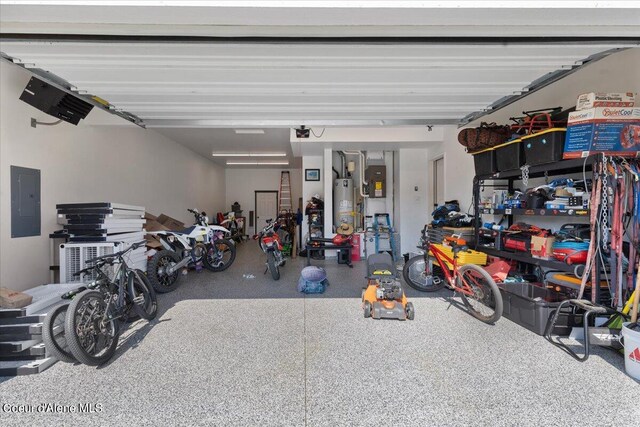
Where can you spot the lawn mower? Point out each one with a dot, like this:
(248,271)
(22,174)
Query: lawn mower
(383,298)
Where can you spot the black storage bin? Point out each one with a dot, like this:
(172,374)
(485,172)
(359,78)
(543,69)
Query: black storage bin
(509,156)
(485,162)
(532,306)
(544,147)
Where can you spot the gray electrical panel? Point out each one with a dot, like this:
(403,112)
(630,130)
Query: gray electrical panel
(25,202)
(376,177)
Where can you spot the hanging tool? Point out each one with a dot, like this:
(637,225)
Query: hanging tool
(591,254)
(636,294)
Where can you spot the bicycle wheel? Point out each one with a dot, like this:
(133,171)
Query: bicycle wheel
(92,341)
(220,255)
(54,337)
(486,301)
(420,275)
(143,297)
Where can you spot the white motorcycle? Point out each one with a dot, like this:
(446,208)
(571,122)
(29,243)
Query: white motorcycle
(196,246)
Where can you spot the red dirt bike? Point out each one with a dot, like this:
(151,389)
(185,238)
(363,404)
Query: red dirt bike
(270,243)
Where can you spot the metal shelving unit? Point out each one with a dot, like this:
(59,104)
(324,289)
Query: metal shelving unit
(563,167)
(576,211)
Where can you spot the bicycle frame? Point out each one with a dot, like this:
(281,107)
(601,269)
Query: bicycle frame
(441,257)
(121,275)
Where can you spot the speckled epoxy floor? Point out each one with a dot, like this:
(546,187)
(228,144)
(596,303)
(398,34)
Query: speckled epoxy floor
(228,350)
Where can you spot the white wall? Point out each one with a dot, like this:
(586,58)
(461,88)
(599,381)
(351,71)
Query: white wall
(124,164)
(458,169)
(241,185)
(411,204)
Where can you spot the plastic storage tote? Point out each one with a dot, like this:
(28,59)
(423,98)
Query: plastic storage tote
(471,257)
(544,147)
(485,162)
(531,306)
(510,156)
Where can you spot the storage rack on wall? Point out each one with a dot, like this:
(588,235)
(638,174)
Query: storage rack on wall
(563,167)
(315,222)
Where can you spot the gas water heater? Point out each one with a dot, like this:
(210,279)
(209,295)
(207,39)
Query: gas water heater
(343,201)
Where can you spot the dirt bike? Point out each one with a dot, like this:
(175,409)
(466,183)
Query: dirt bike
(271,244)
(195,246)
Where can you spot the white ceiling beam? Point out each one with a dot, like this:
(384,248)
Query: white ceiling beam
(346,51)
(291,122)
(80,78)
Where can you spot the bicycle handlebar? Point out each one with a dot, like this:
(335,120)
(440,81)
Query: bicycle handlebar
(114,255)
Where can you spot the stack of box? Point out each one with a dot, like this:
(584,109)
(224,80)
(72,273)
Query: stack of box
(99,228)
(160,223)
(604,123)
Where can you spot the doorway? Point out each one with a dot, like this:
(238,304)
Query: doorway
(438,182)
(266,203)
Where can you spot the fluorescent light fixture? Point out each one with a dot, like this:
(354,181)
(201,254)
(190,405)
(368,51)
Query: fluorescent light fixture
(249,154)
(249,131)
(255,162)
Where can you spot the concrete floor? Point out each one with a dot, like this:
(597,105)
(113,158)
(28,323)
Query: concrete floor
(227,350)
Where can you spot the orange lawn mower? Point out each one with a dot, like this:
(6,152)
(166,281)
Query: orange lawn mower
(383,298)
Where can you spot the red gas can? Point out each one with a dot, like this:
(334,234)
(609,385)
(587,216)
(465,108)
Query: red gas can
(355,252)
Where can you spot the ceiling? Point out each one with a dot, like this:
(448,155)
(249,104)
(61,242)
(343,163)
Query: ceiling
(196,69)
(188,85)
(207,141)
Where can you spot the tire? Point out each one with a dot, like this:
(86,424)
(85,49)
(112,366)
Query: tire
(411,313)
(273,266)
(143,298)
(367,309)
(79,321)
(163,283)
(414,275)
(486,304)
(54,337)
(220,244)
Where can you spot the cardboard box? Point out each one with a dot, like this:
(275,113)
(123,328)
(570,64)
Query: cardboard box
(152,242)
(595,99)
(613,131)
(542,247)
(154,226)
(171,223)
(14,299)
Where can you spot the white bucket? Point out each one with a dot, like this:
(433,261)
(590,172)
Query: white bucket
(631,351)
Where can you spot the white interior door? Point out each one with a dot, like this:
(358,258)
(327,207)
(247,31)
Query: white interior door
(438,182)
(266,208)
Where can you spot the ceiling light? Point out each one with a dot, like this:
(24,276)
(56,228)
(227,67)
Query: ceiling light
(249,131)
(231,163)
(249,154)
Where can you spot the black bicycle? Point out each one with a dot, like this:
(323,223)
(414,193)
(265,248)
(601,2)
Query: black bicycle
(94,317)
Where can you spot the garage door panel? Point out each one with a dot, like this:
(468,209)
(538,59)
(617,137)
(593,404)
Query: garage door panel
(260,81)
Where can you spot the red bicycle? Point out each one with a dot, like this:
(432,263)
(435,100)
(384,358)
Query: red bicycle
(477,289)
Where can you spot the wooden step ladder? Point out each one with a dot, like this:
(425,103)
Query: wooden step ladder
(284,201)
